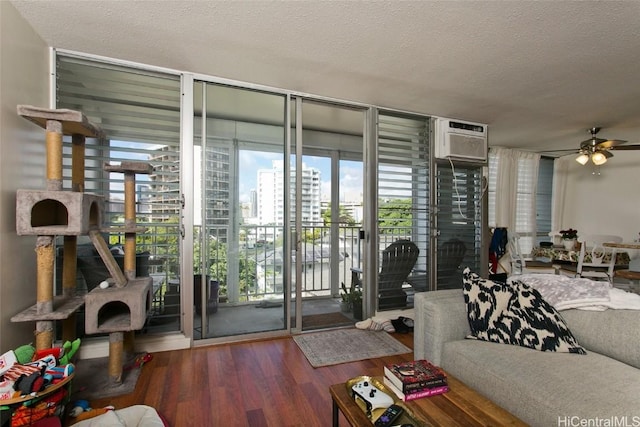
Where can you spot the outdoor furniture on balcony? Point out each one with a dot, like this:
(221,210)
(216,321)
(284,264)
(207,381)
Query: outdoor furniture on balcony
(397,263)
(450,256)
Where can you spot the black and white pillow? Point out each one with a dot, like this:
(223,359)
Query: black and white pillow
(515,314)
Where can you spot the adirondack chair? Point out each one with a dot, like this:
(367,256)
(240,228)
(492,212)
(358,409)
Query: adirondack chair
(450,256)
(397,262)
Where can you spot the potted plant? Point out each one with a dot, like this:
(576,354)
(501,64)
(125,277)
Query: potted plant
(345,304)
(356,302)
(569,237)
(352,300)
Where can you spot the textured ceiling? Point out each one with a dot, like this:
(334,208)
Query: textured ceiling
(539,73)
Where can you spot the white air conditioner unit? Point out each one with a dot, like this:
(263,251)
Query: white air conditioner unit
(455,139)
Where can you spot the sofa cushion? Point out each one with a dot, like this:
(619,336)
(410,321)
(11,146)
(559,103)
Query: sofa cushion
(614,333)
(545,388)
(514,314)
(440,316)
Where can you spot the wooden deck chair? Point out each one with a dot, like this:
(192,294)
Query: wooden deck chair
(398,260)
(450,256)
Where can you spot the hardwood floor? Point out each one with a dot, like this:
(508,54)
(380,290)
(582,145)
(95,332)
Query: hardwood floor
(260,383)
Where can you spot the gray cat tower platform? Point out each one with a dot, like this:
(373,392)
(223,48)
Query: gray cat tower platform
(118,309)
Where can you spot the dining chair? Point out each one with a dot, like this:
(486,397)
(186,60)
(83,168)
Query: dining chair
(595,261)
(521,265)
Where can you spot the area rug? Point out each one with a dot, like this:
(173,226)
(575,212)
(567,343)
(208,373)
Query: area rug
(325,320)
(347,345)
(92,379)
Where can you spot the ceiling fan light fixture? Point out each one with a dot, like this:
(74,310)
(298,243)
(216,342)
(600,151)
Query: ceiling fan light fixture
(582,159)
(598,158)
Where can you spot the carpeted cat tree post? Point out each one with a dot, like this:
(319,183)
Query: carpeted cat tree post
(122,307)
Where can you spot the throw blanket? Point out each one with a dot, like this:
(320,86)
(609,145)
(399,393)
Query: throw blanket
(564,292)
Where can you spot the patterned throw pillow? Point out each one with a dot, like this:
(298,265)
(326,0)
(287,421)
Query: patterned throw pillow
(515,314)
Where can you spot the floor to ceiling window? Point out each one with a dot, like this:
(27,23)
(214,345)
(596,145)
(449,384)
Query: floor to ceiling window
(139,113)
(263,225)
(327,203)
(239,206)
(287,197)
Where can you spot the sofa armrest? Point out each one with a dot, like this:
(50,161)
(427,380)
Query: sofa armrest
(441,316)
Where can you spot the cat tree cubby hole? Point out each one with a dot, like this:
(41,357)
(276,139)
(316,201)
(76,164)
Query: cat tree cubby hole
(118,309)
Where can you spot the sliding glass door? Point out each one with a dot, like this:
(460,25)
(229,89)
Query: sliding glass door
(268,217)
(327,204)
(240,245)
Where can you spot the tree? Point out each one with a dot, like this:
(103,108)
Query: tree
(395,216)
(344,217)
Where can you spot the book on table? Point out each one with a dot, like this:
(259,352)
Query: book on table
(415,375)
(415,394)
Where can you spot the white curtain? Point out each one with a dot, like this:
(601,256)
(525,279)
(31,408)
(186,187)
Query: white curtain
(514,186)
(506,187)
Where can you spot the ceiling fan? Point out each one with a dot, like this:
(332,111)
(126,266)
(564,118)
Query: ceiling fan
(598,150)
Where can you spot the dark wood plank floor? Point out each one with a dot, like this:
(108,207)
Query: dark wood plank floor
(260,383)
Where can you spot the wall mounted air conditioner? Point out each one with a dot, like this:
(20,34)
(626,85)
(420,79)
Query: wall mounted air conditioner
(455,139)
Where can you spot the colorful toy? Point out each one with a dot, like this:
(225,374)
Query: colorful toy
(56,352)
(59,372)
(25,353)
(70,349)
(79,406)
(138,362)
(82,411)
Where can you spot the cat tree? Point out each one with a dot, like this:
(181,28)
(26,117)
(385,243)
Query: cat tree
(118,309)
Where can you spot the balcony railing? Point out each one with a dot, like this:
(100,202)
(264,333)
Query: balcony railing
(261,248)
(257,272)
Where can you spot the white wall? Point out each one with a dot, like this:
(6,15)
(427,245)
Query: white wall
(608,203)
(23,80)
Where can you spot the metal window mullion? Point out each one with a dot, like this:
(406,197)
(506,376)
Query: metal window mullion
(335,223)
(204,234)
(187,212)
(370,220)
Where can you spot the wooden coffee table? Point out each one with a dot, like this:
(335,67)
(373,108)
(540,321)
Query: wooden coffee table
(460,406)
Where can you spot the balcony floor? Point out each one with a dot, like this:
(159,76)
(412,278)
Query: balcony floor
(237,320)
(250,318)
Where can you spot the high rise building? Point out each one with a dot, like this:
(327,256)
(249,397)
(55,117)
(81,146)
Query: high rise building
(253,200)
(271,194)
(164,186)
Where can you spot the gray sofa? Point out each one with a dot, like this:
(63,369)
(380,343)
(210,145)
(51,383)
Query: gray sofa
(541,388)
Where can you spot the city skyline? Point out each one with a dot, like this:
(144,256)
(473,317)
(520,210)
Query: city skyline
(351,180)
